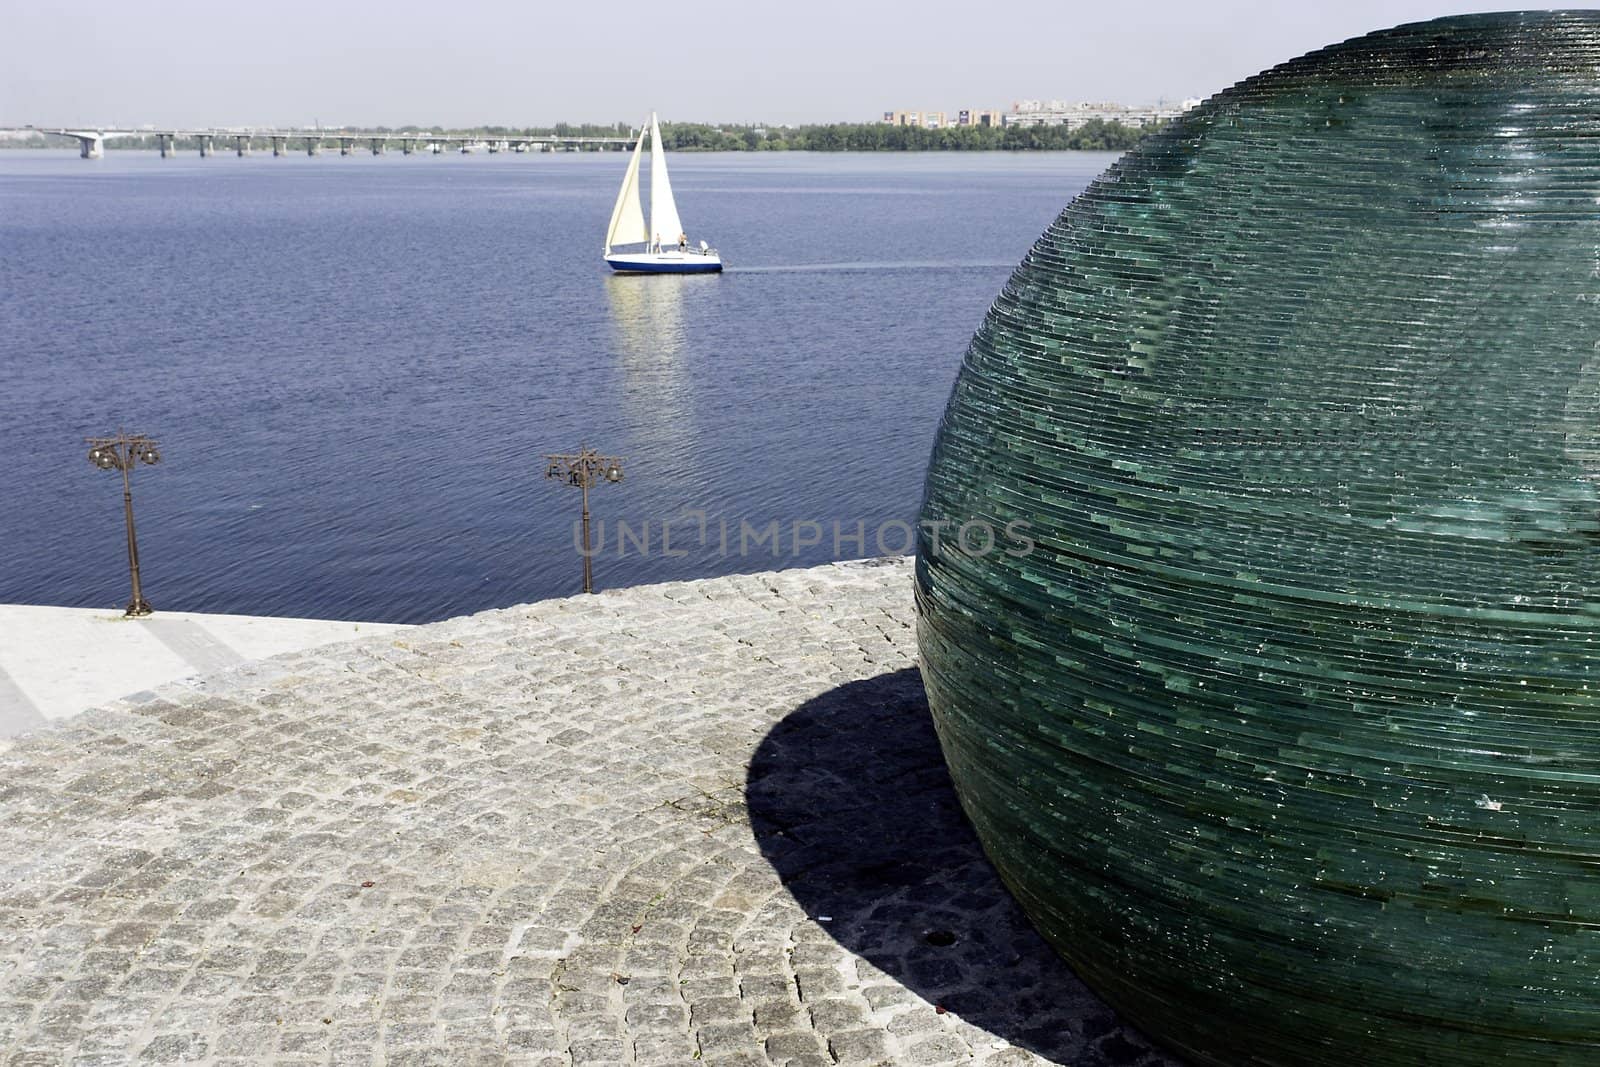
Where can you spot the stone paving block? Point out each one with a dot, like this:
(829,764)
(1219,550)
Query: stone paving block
(434,1056)
(652,1017)
(527,1040)
(767,986)
(711,1010)
(791,1044)
(674,1047)
(819,983)
(408,1035)
(835,1014)
(859,1046)
(174,1048)
(941,1048)
(919,1020)
(774,1014)
(735,1059)
(603,1051)
(694,989)
(718,1039)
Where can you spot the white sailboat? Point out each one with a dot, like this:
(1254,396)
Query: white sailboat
(667,249)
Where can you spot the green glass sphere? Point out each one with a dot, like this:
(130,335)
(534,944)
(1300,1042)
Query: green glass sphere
(1259,574)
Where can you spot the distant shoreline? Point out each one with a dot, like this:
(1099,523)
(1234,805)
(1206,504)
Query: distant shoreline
(1095,135)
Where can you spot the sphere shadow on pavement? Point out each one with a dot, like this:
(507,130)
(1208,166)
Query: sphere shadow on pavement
(851,803)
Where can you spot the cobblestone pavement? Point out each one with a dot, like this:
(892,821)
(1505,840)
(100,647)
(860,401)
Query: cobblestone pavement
(690,823)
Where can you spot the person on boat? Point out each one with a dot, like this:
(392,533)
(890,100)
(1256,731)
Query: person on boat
(683,242)
(704,248)
(655,246)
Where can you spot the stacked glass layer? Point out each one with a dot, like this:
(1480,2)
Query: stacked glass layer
(1285,729)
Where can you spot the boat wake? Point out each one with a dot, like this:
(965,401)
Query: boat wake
(910,264)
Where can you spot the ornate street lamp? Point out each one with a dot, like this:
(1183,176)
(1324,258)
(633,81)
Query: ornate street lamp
(585,469)
(121,453)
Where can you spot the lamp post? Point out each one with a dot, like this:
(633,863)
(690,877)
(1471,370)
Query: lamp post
(121,453)
(584,469)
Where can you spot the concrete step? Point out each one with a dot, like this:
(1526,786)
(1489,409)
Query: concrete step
(57,662)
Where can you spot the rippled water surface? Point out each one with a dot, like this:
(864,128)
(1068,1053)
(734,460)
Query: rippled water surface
(355,367)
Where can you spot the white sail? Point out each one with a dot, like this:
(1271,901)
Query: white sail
(664,221)
(627,220)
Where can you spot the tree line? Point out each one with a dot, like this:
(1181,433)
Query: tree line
(1096,135)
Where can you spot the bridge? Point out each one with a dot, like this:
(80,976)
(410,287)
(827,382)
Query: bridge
(91,140)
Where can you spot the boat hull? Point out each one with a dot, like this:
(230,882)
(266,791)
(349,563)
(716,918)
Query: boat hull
(673,262)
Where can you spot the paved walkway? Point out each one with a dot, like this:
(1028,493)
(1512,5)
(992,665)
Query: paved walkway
(56,662)
(690,823)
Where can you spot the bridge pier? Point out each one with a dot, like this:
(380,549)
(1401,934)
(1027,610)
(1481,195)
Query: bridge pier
(280,146)
(242,145)
(378,146)
(344,145)
(90,145)
(313,146)
(207,149)
(407,147)
(168,144)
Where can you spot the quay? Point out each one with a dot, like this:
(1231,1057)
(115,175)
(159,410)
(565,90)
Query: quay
(91,140)
(693,823)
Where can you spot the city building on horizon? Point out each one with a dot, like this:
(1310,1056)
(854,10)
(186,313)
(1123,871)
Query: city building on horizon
(1073,115)
(938,120)
(1043,113)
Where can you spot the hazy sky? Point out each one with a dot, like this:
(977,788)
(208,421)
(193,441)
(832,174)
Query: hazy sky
(534,62)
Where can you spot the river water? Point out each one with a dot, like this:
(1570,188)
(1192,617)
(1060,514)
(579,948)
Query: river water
(355,367)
